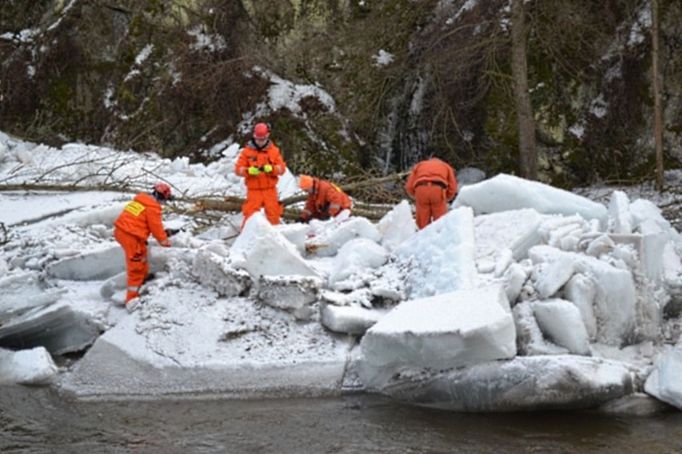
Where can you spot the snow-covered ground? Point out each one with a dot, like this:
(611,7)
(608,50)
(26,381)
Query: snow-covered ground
(522,297)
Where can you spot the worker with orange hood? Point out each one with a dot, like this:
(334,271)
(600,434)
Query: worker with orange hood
(140,218)
(432,183)
(325,199)
(260,163)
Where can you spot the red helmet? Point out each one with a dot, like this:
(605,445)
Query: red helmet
(305,182)
(163,191)
(261,131)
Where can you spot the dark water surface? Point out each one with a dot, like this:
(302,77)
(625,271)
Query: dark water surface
(39,420)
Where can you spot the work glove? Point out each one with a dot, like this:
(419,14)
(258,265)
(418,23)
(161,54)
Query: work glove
(267,168)
(253,170)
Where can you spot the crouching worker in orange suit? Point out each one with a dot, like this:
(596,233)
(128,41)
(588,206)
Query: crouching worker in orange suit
(325,199)
(432,183)
(260,163)
(139,218)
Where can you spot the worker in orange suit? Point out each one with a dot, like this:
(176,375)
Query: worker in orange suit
(260,163)
(433,184)
(139,218)
(325,199)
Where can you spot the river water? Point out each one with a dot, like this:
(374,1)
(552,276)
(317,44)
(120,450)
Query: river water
(34,420)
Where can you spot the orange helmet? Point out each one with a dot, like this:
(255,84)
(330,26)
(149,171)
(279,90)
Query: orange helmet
(305,182)
(162,191)
(261,131)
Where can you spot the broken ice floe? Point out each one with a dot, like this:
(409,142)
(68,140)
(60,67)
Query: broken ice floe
(580,278)
(333,234)
(262,250)
(295,294)
(24,290)
(232,343)
(348,319)
(59,328)
(520,384)
(27,367)
(216,272)
(441,257)
(664,382)
(507,192)
(448,330)
(397,226)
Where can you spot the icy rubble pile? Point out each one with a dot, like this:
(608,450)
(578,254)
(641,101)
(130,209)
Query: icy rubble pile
(588,284)
(522,297)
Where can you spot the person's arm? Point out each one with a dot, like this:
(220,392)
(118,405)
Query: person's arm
(409,184)
(452,184)
(277,162)
(241,165)
(335,199)
(156,225)
(309,209)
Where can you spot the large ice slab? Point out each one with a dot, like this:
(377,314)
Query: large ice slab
(295,294)
(261,250)
(441,255)
(397,225)
(351,319)
(561,321)
(550,277)
(529,338)
(216,272)
(448,330)
(522,384)
(59,328)
(516,230)
(92,265)
(665,381)
(27,367)
(22,291)
(582,291)
(506,192)
(236,347)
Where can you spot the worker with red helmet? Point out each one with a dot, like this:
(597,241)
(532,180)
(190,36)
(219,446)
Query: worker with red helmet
(139,218)
(433,184)
(325,199)
(260,163)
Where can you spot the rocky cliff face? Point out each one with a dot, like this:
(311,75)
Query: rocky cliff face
(370,84)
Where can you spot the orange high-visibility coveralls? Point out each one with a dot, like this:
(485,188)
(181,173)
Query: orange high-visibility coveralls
(432,183)
(261,189)
(325,200)
(139,218)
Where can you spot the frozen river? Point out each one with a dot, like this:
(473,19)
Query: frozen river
(38,420)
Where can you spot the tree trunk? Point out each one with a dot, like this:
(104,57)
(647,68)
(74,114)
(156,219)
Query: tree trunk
(528,160)
(656,79)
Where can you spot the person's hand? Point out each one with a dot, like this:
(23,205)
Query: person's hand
(267,168)
(166,243)
(253,170)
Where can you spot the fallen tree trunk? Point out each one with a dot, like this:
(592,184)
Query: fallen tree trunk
(234,204)
(373,212)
